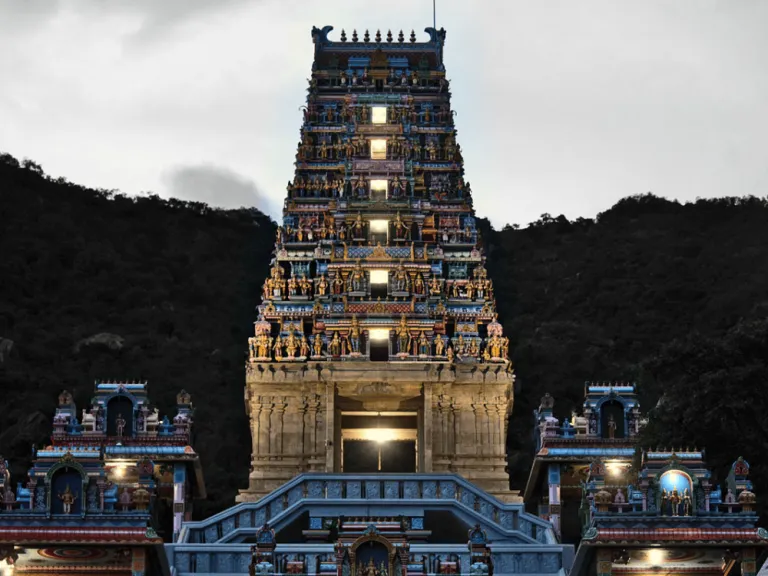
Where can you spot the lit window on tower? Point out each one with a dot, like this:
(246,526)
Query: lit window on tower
(378,334)
(379,277)
(379,114)
(378,189)
(378,149)
(379,230)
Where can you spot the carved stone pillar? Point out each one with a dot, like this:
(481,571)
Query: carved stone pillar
(425,458)
(330,425)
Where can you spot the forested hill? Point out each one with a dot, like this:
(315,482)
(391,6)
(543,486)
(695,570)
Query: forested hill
(174,283)
(672,296)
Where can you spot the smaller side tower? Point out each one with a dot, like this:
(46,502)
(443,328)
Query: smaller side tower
(606,429)
(111,476)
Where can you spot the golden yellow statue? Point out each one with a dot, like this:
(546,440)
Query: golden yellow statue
(305,286)
(403,336)
(439,345)
(263,346)
(278,348)
(291,343)
(334,347)
(318,345)
(322,285)
(293,286)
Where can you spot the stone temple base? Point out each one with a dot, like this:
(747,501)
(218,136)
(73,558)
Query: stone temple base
(296,412)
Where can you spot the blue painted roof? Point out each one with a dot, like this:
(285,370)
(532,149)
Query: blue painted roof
(146,449)
(617,389)
(668,455)
(590,451)
(74,452)
(115,386)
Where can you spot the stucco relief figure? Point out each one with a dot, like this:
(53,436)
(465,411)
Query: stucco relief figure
(354,336)
(687,503)
(400,279)
(403,336)
(304,347)
(369,569)
(334,346)
(291,344)
(424,345)
(439,345)
(357,280)
(611,427)
(398,188)
(305,286)
(322,286)
(418,284)
(120,425)
(68,499)
(318,345)
(278,348)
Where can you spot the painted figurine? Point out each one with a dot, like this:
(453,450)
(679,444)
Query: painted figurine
(318,345)
(68,499)
(120,425)
(439,345)
(403,336)
(334,346)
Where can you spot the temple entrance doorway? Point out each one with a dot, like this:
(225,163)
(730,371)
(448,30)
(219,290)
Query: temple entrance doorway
(379,442)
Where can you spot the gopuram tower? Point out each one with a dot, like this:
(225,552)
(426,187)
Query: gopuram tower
(377,347)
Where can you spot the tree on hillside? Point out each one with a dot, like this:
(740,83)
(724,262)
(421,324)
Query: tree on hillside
(713,394)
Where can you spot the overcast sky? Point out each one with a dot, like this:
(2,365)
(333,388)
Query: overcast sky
(563,107)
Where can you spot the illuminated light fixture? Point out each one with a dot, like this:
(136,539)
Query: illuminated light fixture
(380,435)
(379,114)
(380,277)
(379,225)
(656,557)
(119,470)
(674,479)
(378,334)
(614,468)
(378,149)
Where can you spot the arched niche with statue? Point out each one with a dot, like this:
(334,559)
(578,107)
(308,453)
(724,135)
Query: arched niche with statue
(374,555)
(67,482)
(121,411)
(676,490)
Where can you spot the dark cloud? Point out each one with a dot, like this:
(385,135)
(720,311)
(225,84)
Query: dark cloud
(217,186)
(18,16)
(158,16)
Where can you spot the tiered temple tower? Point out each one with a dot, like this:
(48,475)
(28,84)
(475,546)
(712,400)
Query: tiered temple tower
(377,347)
